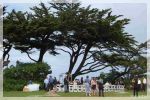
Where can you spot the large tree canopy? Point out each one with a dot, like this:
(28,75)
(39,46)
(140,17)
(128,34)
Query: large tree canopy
(95,35)
(30,31)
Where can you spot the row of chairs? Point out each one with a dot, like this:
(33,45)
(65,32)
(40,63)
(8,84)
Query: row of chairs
(81,88)
(115,88)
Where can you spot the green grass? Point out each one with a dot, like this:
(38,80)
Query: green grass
(62,94)
(22,94)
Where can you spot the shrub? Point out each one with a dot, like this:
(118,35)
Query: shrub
(12,84)
(15,78)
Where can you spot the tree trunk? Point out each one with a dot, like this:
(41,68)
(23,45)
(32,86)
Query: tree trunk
(42,52)
(74,75)
(74,58)
(6,51)
(83,59)
(72,63)
(70,68)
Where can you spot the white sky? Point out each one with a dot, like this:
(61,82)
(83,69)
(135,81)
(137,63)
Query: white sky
(137,27)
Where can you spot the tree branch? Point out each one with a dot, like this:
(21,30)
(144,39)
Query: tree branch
(30,57)
(64,51)
(92,55)
(74,57)
(89,63)
(83,59)
(82,52)
(77,53)
(86,71)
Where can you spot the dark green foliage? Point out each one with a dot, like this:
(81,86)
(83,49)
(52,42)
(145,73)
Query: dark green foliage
(13,84)
(28,31)
(127,72)
(94,35)
(15,78)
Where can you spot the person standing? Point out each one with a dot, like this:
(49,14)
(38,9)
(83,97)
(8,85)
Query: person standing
(87,86)
(55,83)
(66,83)
(69,80)
(51,83)
(93,86)
(100,87)
(144,84)
(69,77)
(139,84)
(135,86)
(81,81)
(46,83)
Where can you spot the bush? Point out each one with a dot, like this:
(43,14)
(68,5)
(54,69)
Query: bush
(12,84)
(15,78)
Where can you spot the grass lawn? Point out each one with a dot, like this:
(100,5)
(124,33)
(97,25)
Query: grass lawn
(62,94)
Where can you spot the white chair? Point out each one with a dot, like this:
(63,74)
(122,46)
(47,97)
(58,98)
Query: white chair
(75,88)
(70,88)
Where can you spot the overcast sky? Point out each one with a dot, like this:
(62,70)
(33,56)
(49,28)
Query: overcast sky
(59,64)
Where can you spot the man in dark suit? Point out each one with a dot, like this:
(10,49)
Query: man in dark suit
(135,86)
(100,87)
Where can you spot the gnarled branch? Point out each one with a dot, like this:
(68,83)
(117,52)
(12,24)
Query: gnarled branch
(64,51)
(31,58)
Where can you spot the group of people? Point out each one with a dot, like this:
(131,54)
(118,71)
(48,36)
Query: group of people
(139,84)
(50,83)
(91,86)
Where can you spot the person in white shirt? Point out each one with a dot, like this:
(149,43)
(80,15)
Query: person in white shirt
(139,84)
(46,81)
(144,84)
